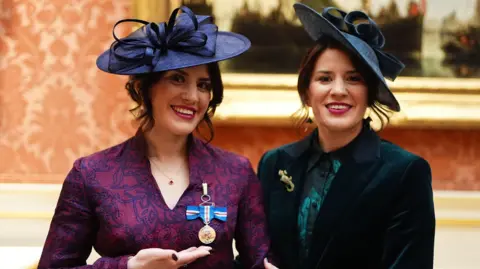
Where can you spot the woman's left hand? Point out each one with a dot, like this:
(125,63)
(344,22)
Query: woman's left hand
(269,265)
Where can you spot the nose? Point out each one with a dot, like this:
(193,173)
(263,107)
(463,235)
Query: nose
(339,87)
(190,95)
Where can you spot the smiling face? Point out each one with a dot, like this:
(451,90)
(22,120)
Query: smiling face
(180,99)
(337,93)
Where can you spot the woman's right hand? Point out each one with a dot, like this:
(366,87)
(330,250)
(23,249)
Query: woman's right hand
(156,258)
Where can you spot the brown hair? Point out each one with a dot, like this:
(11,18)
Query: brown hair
(307,65)
(139,89)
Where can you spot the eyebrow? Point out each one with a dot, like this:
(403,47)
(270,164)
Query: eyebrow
(181,71)
(330,72)
(204,79)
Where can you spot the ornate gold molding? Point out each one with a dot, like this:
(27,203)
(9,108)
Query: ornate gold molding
(402,84)
(270,99)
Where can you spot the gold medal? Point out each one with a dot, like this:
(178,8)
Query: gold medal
(207,234)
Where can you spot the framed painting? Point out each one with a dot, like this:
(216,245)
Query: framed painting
(434,39)
(439,41)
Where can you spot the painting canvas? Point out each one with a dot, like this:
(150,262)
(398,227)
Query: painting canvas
(434,38)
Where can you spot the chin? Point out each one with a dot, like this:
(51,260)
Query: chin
(340,124)
(182,129)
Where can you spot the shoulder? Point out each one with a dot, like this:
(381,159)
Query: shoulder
(103,157)
(391,152)
(399,160)
(272,155)
(279,157)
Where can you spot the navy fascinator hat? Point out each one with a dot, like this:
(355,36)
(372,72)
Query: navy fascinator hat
(361,35)
(186,40)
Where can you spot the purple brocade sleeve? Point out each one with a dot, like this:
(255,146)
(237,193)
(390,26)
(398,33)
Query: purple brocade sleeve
(251,236)
(73,229)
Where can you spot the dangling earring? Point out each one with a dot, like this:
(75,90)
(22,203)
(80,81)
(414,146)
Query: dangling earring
(368,121)
(307,122)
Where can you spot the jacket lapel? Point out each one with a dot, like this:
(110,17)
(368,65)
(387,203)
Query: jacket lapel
(347,187)
(283,204)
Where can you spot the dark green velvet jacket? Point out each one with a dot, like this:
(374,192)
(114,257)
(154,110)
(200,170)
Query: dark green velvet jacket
(379,212)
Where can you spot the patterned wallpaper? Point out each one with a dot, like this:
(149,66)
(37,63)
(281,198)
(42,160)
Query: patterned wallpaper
(55,106)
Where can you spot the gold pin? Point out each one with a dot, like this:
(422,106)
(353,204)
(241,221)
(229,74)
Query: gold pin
(287,180)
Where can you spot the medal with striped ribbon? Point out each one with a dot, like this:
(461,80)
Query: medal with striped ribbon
(206,211)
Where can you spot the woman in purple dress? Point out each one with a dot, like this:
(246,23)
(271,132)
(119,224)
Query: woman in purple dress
(163,198)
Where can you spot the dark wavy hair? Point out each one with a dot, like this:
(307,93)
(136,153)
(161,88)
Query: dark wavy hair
(302,116)
(139,88)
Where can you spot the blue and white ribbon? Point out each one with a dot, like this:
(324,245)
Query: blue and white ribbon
(206,213)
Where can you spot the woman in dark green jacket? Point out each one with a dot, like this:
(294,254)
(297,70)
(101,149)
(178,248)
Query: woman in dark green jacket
(342,197)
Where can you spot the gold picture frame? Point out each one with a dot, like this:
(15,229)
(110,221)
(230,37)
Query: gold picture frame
(271,99)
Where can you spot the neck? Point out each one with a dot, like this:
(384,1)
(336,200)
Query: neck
(166,147)
(333,140)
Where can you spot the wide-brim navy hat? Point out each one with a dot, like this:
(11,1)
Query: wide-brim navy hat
(187,40)
(361,35)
